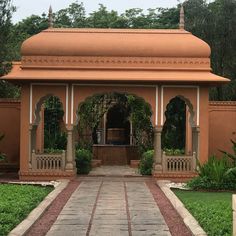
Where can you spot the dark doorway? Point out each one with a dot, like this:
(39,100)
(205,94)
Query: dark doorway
(118,126)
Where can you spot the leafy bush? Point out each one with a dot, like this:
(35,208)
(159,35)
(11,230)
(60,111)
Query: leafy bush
(52,151)
(174,152)
(57,141)
(216,174)
(83,161)
(146,163)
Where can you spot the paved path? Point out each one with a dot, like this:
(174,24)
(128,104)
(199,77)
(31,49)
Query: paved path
(110,208)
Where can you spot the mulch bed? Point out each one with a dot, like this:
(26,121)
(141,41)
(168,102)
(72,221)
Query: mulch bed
(171,216)
(42,226)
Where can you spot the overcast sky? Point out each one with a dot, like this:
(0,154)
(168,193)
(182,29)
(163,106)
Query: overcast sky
(28,7)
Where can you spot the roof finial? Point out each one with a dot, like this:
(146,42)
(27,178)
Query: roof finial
(50,18)
(181,18)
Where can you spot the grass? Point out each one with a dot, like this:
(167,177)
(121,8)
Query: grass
(16,202)
(213,210)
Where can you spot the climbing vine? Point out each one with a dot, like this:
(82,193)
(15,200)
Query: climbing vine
(137,111)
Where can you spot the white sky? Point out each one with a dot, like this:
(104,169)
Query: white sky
(28,7)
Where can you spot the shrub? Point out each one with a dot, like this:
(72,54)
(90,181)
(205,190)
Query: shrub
(56,141)
(216,174)
(83,161)
(146,163)
(174,152)
(52,151)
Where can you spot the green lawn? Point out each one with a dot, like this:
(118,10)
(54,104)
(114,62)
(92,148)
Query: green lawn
(16,202)
(213,210)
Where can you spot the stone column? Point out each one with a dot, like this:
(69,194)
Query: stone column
(196,140)
(69,149)
(188,135)
(30,147)
(157,149)
(131,133)
(104,127)
(32,142)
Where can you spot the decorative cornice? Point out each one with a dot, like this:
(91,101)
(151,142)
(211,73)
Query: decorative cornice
(222,103)
(115,62)
(222,106)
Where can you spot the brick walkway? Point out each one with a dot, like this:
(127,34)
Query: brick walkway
(104,207)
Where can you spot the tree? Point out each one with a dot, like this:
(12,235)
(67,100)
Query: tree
(74,16)
(215,23)
(6,10)
(102,18)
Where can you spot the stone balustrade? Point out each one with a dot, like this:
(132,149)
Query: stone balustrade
(179,163)
(48,162)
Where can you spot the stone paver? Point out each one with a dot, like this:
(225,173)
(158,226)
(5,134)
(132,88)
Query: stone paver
(107,208)
(114,171)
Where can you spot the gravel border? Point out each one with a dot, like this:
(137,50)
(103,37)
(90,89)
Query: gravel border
(25,225)
(188,219)
(44,223)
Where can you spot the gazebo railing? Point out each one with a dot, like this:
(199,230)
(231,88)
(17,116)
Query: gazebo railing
(48,162)
(178,163)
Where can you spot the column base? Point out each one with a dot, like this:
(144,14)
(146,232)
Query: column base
(157,168)
(69,167)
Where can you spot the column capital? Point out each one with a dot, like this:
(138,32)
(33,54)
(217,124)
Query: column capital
(32,127)
(158,128)
(196,129)
(69,128)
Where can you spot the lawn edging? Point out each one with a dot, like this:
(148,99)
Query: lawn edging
(234,213)
(188,219)
(22,228)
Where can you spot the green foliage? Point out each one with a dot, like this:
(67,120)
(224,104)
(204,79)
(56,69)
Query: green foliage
(173,133)
(174,152)
(214,22)
(135,108)
(146,163)
(54,138)
(16,202)
(212,210)
(52,151)
(6,9)
(140,115)
(215,174)
(83,161)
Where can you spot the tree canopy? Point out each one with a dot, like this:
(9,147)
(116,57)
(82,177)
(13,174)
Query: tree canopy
(214,22)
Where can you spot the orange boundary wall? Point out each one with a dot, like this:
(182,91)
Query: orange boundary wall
(10,127)
(222,126)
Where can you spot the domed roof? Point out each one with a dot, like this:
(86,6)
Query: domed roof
(115,55)
(116,43)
